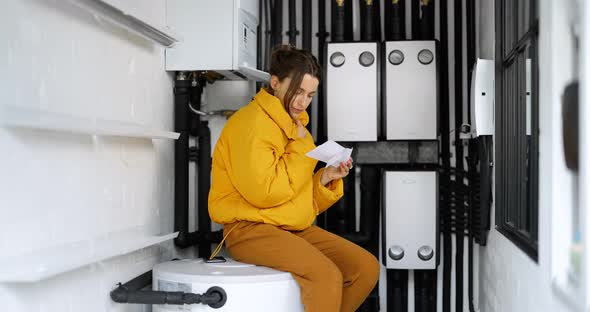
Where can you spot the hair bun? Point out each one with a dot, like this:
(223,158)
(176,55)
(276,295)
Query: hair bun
(285,48)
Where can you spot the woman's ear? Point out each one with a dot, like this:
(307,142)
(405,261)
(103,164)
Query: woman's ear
(274,82)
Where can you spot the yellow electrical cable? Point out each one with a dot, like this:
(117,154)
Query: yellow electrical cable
(218,248)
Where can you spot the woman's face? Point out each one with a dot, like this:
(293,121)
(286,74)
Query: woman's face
(302,97)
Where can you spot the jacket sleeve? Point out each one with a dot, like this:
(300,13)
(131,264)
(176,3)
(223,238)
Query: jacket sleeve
(265,173)
(326,196)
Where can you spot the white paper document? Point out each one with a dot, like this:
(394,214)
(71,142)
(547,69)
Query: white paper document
(331,153)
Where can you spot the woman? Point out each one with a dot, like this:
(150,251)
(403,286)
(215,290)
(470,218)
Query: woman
(265,193)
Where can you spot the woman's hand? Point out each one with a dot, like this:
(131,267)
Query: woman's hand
(335,173)
(301,132)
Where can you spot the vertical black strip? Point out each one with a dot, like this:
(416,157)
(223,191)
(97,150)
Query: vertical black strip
(470,8)
(348,29)
(322,34)
(181,125)
(425,290)
(277,23)
(397,290)
(446,156)
(415,10)
(292,33)
(338,21)
(306,24)
(459,154)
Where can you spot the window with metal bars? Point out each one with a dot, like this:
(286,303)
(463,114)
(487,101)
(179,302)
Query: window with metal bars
(517,122)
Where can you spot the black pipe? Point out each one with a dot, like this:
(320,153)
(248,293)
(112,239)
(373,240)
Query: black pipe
(459,185)
(395,20)
(367,23)
(425,290)
(341,216)
(368,234)
(321,119)
(471,163)
(445,212)
(131,292)
(292,32)
(415,22)
(306,42)
(426,23)
(348,29)
(204,184)
(338,21)
(322,34)
(277,23)
(473,152)
(377,21)
(259,36)
(397,294)
(268,34)
(306,24)
(181,125)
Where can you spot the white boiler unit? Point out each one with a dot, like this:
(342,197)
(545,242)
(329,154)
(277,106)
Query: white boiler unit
(410,220)
(411,90)
(216,35)
(352,91)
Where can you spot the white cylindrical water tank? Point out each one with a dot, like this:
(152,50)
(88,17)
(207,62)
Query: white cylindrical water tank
(248,287)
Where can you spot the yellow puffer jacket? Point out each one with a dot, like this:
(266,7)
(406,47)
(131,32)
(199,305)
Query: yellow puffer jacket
(260,172)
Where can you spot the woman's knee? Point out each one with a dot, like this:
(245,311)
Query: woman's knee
(373,268)
(367,268)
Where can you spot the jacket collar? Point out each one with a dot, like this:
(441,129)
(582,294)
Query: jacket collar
(274,108)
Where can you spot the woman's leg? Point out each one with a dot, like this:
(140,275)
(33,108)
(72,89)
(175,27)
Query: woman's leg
(360,269)
(318,277)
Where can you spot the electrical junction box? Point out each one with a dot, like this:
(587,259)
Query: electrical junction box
(352,91)
(217,36)
(482,98)
(410,220)
(410,90)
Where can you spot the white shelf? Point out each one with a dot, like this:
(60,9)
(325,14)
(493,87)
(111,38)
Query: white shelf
(42,264)
(42,120)
(115,12)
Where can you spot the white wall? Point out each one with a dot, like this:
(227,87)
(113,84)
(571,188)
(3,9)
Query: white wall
(58,188)
(509,279)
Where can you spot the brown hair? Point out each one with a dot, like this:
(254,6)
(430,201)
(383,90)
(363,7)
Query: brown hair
(288,61)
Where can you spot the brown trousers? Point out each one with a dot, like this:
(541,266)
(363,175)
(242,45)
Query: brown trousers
(334,274)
